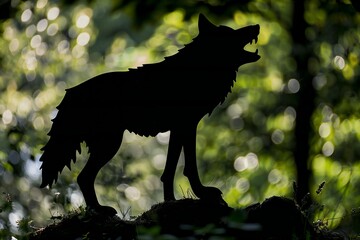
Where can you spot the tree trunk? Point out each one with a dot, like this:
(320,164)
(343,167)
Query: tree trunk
(302,52)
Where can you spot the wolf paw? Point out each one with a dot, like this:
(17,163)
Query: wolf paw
(211,195)
(101,210)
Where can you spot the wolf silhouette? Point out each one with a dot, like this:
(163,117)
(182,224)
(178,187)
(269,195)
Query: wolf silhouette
(172,95)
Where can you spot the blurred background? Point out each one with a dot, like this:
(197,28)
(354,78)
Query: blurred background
(292,116)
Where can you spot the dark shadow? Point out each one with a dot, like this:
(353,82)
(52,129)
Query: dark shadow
(274,218)
(171,95)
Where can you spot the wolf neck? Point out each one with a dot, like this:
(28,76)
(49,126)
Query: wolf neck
(209,75)
(215,74)
(198,55)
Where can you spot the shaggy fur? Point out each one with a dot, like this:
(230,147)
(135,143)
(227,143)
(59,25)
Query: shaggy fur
(171,95)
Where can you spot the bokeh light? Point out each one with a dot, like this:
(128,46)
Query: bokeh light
(245,146)
(53,13)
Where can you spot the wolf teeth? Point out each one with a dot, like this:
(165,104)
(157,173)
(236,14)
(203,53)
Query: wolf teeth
(252,40)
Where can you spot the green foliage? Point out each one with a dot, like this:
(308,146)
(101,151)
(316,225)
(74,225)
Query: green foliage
(245,147)
(5,208)
(6,203)
(24,225)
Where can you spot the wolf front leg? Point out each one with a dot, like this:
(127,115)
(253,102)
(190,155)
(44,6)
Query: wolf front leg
(175,145)
(210,194)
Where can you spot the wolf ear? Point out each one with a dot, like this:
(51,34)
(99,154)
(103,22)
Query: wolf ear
(205,26)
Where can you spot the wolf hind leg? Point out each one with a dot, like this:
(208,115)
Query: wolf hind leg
(102,150)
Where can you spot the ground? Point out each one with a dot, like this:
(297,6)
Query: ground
(275,218)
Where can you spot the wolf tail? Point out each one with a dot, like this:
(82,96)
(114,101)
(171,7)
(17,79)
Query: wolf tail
(62,146)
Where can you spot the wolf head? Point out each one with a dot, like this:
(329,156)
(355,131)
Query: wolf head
(225,46)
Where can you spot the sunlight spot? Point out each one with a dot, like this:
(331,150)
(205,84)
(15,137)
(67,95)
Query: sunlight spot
(76,198)
(63,47)
(277,136)
(24,184)
(153,182)
(328,149)
(41,3)
(30,60)
(41,50)
(52,29)
(327,112)
(49,79)
(288,120)
(26,15)
(78,51)
(319,81)
(175,18)
(293,85)
(7,117)
(54,113)
(30,30)
(163,138)
(240,164)
(35,41)
(14,45)
(53,13)
(348,72)
(15,217)
(42,25)
(83,38)
(35,194)
(31,169)
(25,107)
(234,110)
(159,161)
(30,64)
(38,123)
(275,83)
(250,161)
(339,62)
(82,21)
(61,86)
(130,137)
(290,112)
(9,33)
(274,176)
(240,18)
(324,130)
(353,59)
(121,187)
(243,185)
(132,193)
(25,152)
(145,203)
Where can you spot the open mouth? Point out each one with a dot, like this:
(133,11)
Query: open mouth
(249,47)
